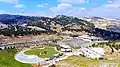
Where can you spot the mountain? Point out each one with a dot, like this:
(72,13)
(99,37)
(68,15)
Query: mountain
(94,18)
(105,23)
(13,19)
(61,24)
(44,22)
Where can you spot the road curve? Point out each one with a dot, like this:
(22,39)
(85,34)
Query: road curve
(30,59)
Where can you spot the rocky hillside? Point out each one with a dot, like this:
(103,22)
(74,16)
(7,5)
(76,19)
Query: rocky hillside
(55,24)
(106,24)
(61,24)
(111,49)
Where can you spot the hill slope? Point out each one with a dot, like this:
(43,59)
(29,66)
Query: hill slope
(106,24)
(60,24)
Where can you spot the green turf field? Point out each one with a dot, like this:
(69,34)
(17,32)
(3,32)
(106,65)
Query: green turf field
(7,59)
(42,53)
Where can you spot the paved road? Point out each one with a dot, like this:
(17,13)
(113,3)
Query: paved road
(31,59)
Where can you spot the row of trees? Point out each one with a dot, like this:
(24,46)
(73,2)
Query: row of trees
(19,31)
(108,35)
(110,44)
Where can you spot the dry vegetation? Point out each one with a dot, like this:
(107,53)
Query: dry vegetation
(78,61)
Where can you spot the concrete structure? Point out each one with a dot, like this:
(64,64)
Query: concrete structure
(80,41)
(34,59)
(36,28)
(92,52)
(90,38)
(64,48)
(31,59)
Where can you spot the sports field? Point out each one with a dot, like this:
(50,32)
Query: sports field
(42,53)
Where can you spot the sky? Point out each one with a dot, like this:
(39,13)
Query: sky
(78,8)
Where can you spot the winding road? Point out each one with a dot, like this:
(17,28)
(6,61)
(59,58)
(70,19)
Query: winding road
(30,59)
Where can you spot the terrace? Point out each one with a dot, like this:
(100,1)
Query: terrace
(92,52)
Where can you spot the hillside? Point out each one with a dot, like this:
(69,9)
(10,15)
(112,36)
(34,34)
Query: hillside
(61,24)
(105,23)
(55,24)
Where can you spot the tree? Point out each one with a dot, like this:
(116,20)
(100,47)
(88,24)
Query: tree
(45,52)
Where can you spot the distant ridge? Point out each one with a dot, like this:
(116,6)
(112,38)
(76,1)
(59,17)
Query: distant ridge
(60,24)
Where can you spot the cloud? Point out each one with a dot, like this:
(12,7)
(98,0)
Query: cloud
(28,13)
(33,14)
(73,1)
(16,2)
(113,4)
(10,1)
(4,12)
(61,8)
(110,1)
(42,5)
(68,9)
(19,6)
(109,10)
(64,6)
(46,4)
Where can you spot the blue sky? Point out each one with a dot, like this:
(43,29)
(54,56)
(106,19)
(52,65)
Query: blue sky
(79,8)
